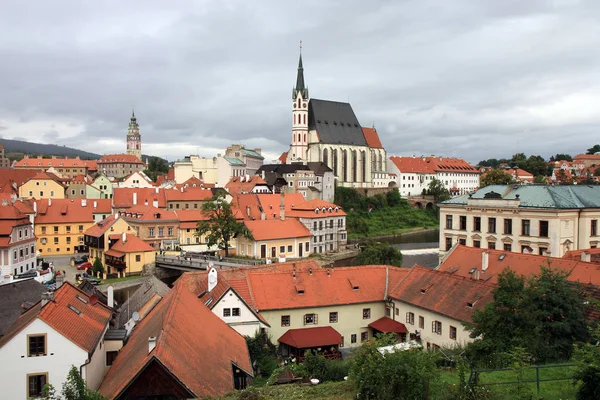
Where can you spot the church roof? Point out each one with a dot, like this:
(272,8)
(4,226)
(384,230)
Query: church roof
(335,123)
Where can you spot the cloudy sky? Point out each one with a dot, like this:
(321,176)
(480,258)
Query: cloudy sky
(473,79)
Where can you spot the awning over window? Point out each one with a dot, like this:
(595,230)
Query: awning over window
(114,253)
(388,325)
(305,338)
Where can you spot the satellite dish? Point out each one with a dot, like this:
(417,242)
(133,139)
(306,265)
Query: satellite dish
(135,316)
(93,299)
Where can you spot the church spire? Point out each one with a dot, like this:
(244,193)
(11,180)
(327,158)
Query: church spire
(300,78)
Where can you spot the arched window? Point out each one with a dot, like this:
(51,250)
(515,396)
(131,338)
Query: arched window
(373,161)
(304,118)
(363,165)
(335,161)
(325,157)
(294,119)
(344,165)
(381,162)
(298,102)
(305,138)
(354,166)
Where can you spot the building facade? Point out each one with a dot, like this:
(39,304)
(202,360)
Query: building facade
(43,185)
(251,157)
(134,139)
(4,161)
(275,239)
(65,167)
(158,228)
(120,165)
(17,242)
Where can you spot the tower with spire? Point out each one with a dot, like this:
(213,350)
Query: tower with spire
(134,139)
(299,147)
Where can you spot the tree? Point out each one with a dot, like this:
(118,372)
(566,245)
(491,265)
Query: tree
(536,165)
(377,253)
(594,149)
(97,267)
(393,198)
(492,162)
(519,160)
(221,226)
(560,157)
(496,177)
(437,189)
(540,179)
(156,166)
(587,372)
(562,177)
(75,388)
(597,172)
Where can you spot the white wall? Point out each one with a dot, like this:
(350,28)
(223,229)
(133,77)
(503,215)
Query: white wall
(246,324)
(94,371)
(135,180)
(15,364)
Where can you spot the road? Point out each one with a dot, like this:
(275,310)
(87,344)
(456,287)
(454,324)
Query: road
(63,263)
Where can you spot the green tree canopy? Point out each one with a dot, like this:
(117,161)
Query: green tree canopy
(536,165)
(221,226)
(156,166)
(561,156)
(378,253)
(497,176)
(594,149)
(97,267)
(437,189)
(75,388)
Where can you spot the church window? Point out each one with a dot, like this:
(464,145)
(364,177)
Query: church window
(298,102)
(294,118)
(354,166)
(305,138)
(325,157)
(335,161)
(304,118)
(363,165)
(374,161)
(345,165)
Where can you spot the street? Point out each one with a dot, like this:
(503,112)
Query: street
(63,263)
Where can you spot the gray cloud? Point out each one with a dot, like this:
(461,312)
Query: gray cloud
(460,78)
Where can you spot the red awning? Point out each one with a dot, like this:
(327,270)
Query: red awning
(305,338)
(114,253)
(388,325)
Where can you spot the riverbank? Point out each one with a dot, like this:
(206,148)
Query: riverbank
(389,221)
(389,238)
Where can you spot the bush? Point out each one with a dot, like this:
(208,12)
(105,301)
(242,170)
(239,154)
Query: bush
(262,353)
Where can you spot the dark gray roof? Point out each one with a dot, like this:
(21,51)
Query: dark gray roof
(282,168)
(90,289)
(319,168)
(335,123)
(152,285)
(115,334)
(17,297)
(538,196)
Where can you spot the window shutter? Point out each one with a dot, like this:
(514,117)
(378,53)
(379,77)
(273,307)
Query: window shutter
(304,319)
(433,326)
(407,317)
(316,317)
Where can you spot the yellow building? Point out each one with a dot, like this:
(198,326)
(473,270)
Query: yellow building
(275,238)
(42,186)
(60,223)
(97,237)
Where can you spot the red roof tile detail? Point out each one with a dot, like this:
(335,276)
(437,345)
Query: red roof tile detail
(31,162)
(133,244)
(372,138)
(388,325)
(277,229)
(70,210)
(239,184)
(431,165)
(147,213)
(283,157)
(123,197)
(304,338)
(188,194)
(17,177)
(194,344)
(307,210)
(119,158)
(100,227)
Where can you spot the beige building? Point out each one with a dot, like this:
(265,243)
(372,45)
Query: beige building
(540,219)
(251,157)
(276,239)
(120,165)
(4,162)
(43,185)
(67,167)
(211,170)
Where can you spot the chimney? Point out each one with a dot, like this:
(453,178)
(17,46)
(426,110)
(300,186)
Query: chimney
(49,202)
(156,190)
(282,206)
(155,203)
(111,296)
(586,257)
(134,198)
(212,279)
(47,297)
(182,189)
(151,343)
(116,216)
(476,275)
(485,260)
(35,207)
(124,237)
(146,202)
(247,178)
(95,204)
(83,202)
(263,174)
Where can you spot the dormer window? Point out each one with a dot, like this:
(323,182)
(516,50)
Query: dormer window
(299,289)
(354,284)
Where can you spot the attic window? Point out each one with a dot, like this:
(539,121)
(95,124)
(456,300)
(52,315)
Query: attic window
(84,301)
(354,284)
(472,270)
(75,310)
(502,256)
(424,290)
(326,123)
(208,302)
(299,289)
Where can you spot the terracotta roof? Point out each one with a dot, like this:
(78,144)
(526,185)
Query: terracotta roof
(70,210)
(465,261)
(304,338)
(307,210)
(25,206)
(595,157)
(283,157)
(431,165)
(123,197)
(119,158)
(147,213)
(188,194)
(239,184)
(188,219)
(270,203)
(31,162)
(372,138)
(192,343)
(576,254)
(77,320)
(277,229)
(10,217)
(444,293)
(133,244)
(16,176)
(100,227)
(388,325)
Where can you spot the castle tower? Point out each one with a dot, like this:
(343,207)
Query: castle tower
(134,139)
(299,146)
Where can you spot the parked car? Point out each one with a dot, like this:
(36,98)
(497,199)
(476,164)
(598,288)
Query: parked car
(78,260)
(84,266)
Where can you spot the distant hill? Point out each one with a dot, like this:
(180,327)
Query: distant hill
(20,146)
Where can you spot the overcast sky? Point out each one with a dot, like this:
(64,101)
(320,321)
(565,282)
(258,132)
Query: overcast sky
(472,79)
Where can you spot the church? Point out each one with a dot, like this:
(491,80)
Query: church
(329,132)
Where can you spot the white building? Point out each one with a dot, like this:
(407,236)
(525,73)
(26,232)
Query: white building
(137,180)
(414,174)
(213,170)
(49,338)
(251,157)
(17,242)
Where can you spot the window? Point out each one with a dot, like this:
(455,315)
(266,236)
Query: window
(315,226)
(310,319)
(285,320)
(307,246)
(43,230)
(37,345)
(68,229)
(138,258)
(333,317)
(436,327)
(366,313)
(421,322)
(68,239)
(594,230)
(507,226)
(492,225)
(543,228)
(55,240)
(463,222)
(492,245)
(151,232)
(235,312)
(477,224)
(80,228)
(227,312)
(462,241)
(525,227)
(320,225)
(453,332)
(476,243)
(543,250)
(289,249)
(35,384)
(353,338)
(507,247)
(161,232)
(170,231)
(281,249)
(448,243)
(364,336)
(56,229)
(111,357)
(410,318)
(448,221)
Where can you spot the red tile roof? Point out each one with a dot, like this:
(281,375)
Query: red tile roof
(307,210)
(133,244)
(594,157)
(85,328)
(70,210)
(188,219)
(277,229)
(388,325)
(239,184)
(10,217)
(32,162)
(100,227)
(16,176)
(188,194)
(372,138)
(192,343)
(462,260)
(147,213)
(444,293)
(283,157)
(123,197)
(119,158)
(304,338)
(431,165)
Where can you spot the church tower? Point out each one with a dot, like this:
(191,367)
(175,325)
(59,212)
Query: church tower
(134,139)
(299,146)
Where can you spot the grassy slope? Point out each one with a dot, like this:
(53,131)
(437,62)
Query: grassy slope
(391,220)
